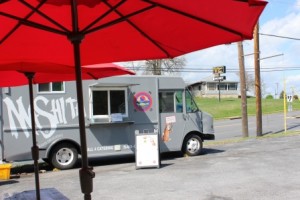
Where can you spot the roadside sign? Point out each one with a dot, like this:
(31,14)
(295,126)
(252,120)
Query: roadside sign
(289,98)
(219,78)
(219,70)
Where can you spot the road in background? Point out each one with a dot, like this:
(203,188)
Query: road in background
(272,123)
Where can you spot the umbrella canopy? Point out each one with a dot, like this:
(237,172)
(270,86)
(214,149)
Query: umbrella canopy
(83,32)
(12,74)
(28,73)
(118,30)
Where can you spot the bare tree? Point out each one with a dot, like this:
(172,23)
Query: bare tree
(165,66)
(250,81)
(134,65)
(263,87)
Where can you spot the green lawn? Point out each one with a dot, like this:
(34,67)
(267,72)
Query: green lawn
(230,107)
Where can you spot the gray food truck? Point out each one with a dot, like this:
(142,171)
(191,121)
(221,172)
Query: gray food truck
(115,108)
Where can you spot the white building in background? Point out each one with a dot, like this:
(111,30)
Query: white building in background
(207,87)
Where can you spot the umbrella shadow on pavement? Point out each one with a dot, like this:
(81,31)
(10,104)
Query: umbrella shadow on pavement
(46,193)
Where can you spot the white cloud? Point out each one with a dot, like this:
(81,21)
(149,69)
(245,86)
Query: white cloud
(208,58)
(297,5)
(293,84)
(287,26)
(282,22)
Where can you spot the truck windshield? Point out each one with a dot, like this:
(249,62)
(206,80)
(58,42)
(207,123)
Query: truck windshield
(191,106)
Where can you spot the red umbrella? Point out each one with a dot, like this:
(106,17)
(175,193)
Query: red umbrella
(118,30)
(12,74)
(29,73)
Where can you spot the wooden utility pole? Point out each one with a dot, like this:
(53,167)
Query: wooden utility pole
(243,90)
(257,82)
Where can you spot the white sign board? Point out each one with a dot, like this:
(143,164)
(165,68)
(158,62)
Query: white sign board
(289,98)
(116,117)
(147,150)
(170,119)
(219,78)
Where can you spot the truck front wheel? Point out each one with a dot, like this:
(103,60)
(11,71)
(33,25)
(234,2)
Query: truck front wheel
(192,145)
(64,156)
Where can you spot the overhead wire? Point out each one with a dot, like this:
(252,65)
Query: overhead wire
(199,69)
(228,70)
(279,36)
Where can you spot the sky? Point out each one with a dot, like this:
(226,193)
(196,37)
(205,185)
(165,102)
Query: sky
(280,57)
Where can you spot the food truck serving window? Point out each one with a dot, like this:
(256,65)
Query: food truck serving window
(105,102)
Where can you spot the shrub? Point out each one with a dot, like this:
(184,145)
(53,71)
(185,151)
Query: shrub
(269,96)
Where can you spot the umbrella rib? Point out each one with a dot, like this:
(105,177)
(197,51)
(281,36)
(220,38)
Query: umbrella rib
(198,19)
(124,18)
(32,24)
(17,26)
(104,15)
(91,75)
(44,15)
(138,29)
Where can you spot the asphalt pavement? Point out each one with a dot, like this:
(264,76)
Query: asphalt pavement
(271,124)
(255,169)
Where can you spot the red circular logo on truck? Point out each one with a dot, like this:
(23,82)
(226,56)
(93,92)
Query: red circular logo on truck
(142,101)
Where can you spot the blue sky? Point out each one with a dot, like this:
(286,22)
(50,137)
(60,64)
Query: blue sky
(281,17)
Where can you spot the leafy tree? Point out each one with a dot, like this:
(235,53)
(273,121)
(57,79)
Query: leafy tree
(269,96)
(281,94)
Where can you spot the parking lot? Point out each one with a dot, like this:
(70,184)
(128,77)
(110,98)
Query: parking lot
(253,169)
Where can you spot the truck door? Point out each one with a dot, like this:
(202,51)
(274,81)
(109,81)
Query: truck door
(172,119)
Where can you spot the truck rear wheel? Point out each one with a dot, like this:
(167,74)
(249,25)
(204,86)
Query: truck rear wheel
(192,145)
(64,156)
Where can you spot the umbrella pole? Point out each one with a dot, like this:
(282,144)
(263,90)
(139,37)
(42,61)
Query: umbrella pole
(86,173)
(34,148)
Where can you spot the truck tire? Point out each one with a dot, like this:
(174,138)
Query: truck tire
(64,156)
(192,145)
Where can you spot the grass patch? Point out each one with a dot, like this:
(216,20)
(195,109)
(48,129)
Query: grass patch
(242,139)
(226,141)
(282,134)
(231,107)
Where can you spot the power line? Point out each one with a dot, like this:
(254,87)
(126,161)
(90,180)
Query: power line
(279,36)
(229,70)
